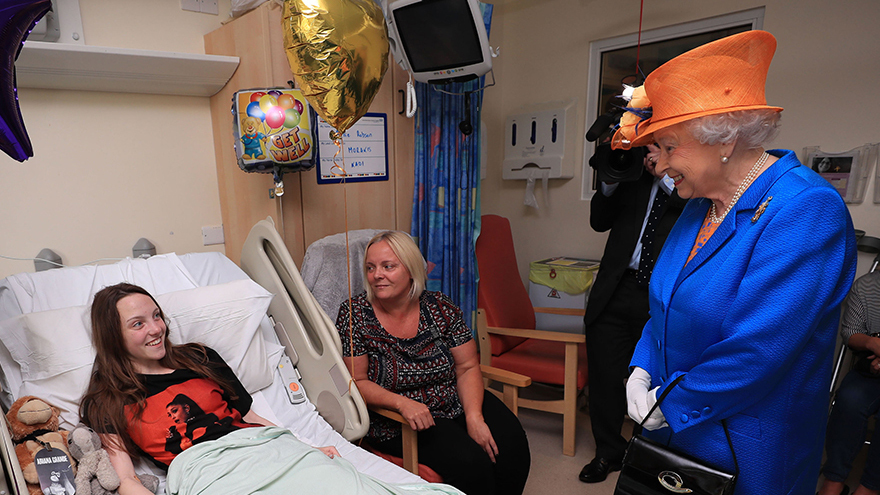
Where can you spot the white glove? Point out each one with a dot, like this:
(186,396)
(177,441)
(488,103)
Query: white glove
(656,420)
(639,400)
(637,394)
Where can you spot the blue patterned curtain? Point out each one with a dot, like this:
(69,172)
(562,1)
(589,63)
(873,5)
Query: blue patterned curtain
(446,202)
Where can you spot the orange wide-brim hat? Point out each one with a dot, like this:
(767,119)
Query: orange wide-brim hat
(726,75)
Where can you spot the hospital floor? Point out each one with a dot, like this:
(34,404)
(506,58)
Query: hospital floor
(555,474)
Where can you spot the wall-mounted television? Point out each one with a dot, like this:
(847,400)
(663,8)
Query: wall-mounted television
(439,41)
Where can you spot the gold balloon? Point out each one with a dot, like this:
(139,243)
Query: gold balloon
(338,53)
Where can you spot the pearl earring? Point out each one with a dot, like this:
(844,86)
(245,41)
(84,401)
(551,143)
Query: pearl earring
(724,159)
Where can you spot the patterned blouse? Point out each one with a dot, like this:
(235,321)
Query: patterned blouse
(420,368)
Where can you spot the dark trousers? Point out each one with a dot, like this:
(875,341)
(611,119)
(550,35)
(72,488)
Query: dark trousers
(447,449)
(858,398)
(611,340)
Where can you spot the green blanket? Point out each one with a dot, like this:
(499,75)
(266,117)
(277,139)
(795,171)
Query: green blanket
(271,460)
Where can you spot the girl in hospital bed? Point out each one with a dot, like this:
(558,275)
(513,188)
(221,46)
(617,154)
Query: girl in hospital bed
(183,408)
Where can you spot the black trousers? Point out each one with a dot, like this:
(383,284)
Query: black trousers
(611,340)
(447,448)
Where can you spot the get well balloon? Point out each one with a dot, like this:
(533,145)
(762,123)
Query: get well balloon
(338,53)
(277,141)
(17,18)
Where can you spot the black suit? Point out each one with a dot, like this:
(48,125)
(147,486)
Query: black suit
(617,309)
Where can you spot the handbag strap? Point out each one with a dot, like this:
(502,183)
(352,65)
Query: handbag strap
(723,421)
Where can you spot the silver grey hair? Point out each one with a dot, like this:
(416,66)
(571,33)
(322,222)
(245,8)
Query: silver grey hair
(750,129)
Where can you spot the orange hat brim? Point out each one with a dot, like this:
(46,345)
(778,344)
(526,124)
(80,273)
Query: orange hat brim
(647,127)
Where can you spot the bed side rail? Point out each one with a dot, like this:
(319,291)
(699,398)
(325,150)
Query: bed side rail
(304,327)
(11,470)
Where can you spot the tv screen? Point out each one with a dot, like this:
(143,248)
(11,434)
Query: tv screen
(438,35)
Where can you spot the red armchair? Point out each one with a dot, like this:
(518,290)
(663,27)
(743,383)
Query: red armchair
(507,335)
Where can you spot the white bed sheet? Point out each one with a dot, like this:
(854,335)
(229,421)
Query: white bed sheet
(56,289)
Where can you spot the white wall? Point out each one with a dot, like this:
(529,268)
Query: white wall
(819,73)
(110,168)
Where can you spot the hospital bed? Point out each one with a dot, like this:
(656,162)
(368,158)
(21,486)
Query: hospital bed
(284,348)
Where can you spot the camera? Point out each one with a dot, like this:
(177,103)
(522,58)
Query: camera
(613,165)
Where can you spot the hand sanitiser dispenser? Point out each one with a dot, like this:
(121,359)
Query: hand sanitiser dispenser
(534,144)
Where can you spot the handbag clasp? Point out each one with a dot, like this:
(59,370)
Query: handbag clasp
(672,481)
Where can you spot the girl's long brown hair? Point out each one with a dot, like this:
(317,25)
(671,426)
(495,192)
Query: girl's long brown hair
(114,382)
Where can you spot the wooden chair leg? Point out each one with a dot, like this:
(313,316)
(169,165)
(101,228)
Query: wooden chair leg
(511,398)
(410,450)
(569,407)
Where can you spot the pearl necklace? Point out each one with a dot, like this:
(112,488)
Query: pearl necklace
(752,175)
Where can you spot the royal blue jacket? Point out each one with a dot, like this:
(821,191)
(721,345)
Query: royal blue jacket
(751,322)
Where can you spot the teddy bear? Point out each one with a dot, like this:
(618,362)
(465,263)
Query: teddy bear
(33,423)
(95,474)
(93,462)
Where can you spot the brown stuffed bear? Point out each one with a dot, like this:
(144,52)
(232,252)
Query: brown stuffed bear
(33,422)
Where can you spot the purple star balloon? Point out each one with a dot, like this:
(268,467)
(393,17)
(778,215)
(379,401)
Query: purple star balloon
(17,18)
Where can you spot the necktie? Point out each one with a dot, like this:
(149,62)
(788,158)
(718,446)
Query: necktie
(646,262)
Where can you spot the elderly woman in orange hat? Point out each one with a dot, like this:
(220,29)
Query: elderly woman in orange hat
(745,296)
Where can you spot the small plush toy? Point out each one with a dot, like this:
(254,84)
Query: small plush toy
(33,423)
(95,475)
(93,462)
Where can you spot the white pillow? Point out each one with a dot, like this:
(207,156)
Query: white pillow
(225,317)
(54,352)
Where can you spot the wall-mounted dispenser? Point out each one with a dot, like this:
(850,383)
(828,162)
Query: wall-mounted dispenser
(534,144)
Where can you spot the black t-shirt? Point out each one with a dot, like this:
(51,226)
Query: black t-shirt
(183,408)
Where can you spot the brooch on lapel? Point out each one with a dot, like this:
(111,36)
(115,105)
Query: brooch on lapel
(761,209)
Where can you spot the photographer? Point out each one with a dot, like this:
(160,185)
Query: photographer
(639,213)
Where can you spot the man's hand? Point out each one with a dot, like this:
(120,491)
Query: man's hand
(874,366)
(651,159)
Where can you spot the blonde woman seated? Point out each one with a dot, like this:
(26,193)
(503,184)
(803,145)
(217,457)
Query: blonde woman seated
(183,408)
(412,353)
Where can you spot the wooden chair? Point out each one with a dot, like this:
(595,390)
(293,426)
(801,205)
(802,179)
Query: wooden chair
(507,335)
(511,383)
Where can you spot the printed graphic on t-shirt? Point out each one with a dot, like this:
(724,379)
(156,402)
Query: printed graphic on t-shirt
(182,415)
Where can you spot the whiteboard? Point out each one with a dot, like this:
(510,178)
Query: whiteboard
(364,154)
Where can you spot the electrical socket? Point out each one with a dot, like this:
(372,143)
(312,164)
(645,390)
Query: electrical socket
(190,5)
(212,235)
(209,7)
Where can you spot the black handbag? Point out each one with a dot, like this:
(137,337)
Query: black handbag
(651,468)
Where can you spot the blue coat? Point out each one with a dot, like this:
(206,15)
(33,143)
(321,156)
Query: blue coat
(751,322)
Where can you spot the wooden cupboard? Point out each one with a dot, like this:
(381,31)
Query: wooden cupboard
(307,211)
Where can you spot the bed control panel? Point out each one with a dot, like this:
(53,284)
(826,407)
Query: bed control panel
(290,375)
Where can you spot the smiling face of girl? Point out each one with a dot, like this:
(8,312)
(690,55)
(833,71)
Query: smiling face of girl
(143,331)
